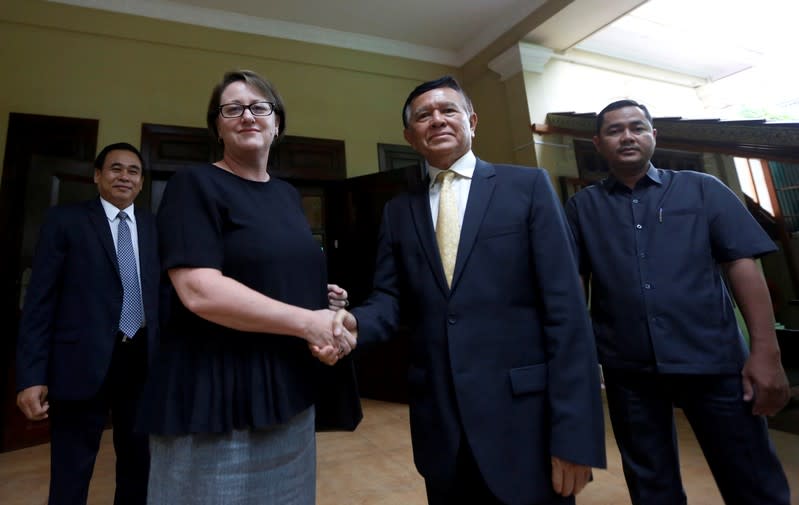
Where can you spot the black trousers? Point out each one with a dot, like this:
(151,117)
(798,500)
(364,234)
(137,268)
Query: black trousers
(76,427)
(735,443)
(469,486)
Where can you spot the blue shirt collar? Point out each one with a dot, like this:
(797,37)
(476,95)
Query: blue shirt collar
(653,174)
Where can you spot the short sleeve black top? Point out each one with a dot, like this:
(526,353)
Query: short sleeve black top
(653,254)
(208,378)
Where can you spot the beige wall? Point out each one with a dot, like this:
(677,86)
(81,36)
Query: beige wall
(587,83)
(595,81)
(128,70)
(493,139)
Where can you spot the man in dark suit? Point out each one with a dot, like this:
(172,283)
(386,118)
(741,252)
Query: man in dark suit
(505,400)
(89,320)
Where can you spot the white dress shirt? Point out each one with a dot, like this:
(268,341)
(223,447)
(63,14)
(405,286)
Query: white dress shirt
(462,183)
(111,213)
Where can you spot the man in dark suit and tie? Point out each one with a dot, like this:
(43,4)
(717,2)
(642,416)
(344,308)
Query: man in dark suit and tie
(89,320)
(504,391)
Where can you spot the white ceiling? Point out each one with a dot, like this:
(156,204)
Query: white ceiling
(711,39)
(707,39)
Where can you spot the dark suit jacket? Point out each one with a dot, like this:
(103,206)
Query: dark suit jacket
(70,319)
(508,352)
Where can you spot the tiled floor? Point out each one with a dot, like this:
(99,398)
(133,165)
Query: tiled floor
(373,466)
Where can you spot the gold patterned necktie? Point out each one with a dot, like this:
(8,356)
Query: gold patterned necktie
(448,225)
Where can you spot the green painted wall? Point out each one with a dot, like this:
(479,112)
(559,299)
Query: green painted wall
(128,70)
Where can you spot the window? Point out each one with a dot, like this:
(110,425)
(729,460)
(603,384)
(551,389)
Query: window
(752,176)
(785,179)
(394,156)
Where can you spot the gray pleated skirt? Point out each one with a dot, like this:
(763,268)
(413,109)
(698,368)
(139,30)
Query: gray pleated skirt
(271,466)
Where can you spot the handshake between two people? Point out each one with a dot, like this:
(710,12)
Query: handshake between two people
(340,336)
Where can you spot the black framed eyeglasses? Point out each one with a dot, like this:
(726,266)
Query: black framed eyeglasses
(230,110)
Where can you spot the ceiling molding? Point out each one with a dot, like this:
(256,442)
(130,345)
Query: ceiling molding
(521,57)
(224,20)
(578,21)
(522,10)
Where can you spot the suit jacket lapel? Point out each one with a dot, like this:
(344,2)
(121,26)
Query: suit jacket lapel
(423,221)
(103,230)
(480,192)
(142,232)
(142,236)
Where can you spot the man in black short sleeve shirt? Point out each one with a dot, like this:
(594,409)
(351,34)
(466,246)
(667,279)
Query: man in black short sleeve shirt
(655,246)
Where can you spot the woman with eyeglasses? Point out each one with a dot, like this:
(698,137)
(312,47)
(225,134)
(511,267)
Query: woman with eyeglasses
(230,401)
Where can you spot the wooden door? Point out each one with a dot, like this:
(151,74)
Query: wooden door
(51,181)
(47,160)
(381,369)
(167,149)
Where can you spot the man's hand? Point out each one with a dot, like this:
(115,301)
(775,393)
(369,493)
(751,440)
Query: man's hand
(33,402)
(345,333)
(328,355)
(764,380)
(337,297)
(569,478)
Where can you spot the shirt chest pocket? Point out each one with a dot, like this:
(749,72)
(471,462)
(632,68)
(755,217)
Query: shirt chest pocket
(666,212)
(681,230)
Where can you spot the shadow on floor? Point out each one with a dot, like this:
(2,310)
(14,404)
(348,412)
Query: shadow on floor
(788,419)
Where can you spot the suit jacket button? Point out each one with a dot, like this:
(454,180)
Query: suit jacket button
(451,320)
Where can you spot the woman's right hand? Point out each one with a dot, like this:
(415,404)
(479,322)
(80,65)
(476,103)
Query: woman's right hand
(319,328)
(345,332)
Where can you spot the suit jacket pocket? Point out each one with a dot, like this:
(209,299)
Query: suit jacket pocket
(528,379)
(487,232)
